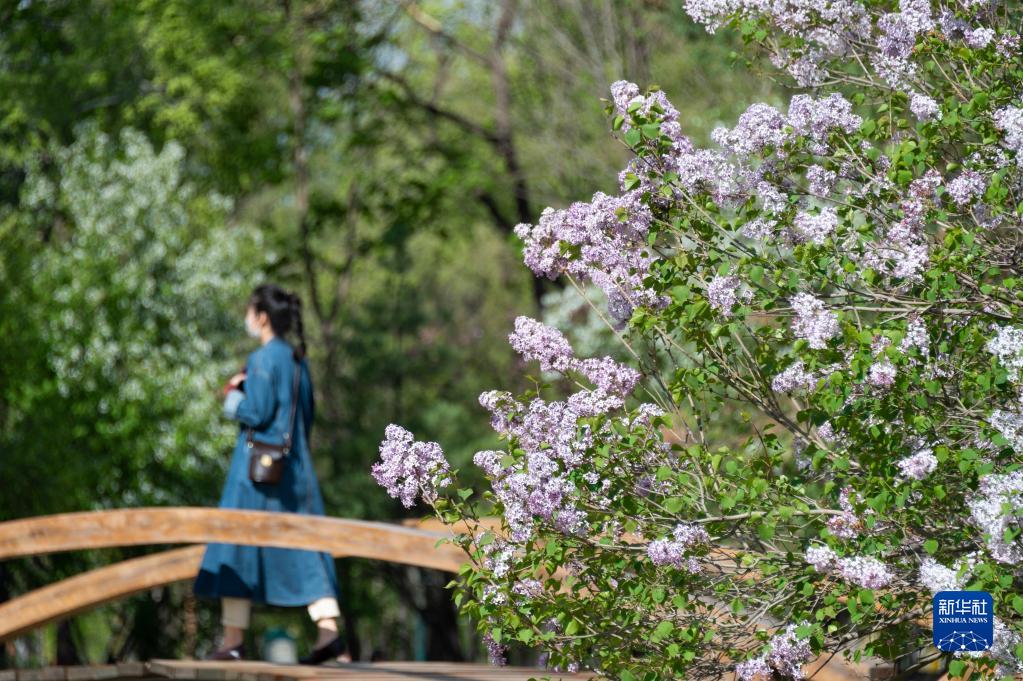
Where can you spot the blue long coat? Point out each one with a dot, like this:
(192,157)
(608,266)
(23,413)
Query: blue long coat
(276,576)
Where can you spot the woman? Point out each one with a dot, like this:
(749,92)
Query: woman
(260,398)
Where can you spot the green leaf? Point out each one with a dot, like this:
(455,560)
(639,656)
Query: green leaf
(930,546)
(663,629)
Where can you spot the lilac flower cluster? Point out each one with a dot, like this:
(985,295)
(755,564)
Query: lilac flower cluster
(821,180)
(814,321)
(865,571)
(882,374)
(936,577)
(821,557)
(898,33)
(968,186)
(1002,650)
(785,657)
(1010,425)
(672,551)
(759,128)
(901,251)
(497,652)
(847,525)
(919,465)
(986,512)
(537,341)
(1007,346)
(924,108)
(537,485)
(408,468)
(1009,120)
(916,337)
(723,293)
(793,378)
(528,588)
(817,227)
(610,234)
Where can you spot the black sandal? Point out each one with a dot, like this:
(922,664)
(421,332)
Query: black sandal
(328,652)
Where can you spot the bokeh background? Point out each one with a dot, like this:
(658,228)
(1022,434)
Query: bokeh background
(159,158)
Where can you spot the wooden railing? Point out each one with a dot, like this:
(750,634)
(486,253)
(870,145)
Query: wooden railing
(184,525)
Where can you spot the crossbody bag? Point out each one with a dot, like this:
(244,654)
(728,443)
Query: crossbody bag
(267,460)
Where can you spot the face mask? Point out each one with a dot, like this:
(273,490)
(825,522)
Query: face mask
(250,329)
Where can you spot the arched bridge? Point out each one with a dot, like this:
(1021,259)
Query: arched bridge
(185,525)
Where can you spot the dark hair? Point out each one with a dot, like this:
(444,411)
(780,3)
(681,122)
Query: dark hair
(284,310)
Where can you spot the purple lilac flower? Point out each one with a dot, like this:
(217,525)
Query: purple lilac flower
(623,93)
(952,26)
(1009,120)
(504,408)
(1007,346)
(772,199)
(1002,650)
(979,38)
(1010,425)
(593,402)
(794,377)
(847,525)
(785,657)
(407,468)
(916,336)
(816,227)
(610,377)
(530,588)
(496,651)
(821,180)
(882,374)
(672,551)
(758,228)
(755,668)
(1008,45)
(936,577)
(968,186)
(490,462)
(711,171)
(818,118)
(497,557)
(759,127)
(822,558)
(924,108)
(537,341)
(865,571)
(723,294)
(814,321)
(918,466)
(994,492)
(610,234)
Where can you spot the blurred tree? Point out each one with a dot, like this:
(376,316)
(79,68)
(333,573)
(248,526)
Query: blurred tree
(381,152)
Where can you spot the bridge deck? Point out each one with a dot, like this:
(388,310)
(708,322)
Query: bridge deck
(201,670)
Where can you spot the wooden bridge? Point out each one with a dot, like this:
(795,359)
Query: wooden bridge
(416,543)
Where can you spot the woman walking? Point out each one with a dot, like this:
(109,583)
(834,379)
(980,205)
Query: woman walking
(261,400)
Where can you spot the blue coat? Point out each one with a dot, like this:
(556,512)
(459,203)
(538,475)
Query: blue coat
(276,576)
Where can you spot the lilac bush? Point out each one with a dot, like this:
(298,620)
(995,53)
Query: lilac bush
(843,273)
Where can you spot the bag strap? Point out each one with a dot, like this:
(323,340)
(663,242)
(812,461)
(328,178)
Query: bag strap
(291,414)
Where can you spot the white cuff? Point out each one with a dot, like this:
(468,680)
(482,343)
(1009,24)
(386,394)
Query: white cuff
(234,396)
(324,609)
(235,612)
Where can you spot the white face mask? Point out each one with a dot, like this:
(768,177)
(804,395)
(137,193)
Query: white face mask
(251,329)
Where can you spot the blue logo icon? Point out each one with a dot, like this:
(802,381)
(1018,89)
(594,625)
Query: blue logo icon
(963,620)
